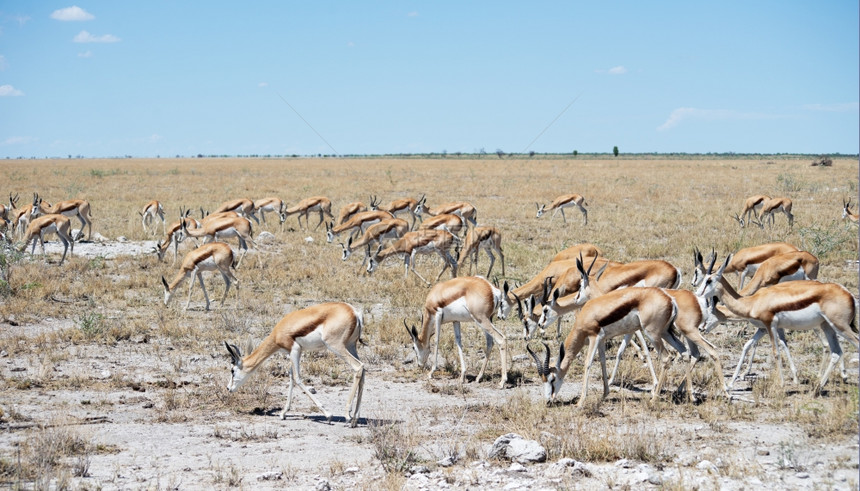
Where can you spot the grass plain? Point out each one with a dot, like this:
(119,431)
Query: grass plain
(82,340)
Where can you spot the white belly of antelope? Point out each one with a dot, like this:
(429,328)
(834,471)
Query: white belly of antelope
(807,318)
(456,311)
(627,324)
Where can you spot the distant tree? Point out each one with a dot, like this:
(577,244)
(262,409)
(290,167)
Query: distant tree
(615,151)
(575,153)
(531,154)
(500,153)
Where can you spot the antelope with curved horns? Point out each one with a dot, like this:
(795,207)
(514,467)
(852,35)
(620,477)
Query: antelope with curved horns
(333,326)
(462,208)
(402,205)
(616,313)
(270,205)
(4,210)
(172,234)
(390,229)
(562,202)
(797,305)
(356,224)
(774,205)
(460,300)
(445,221)
(418,242)
(846,211)
(745,262)
(650,273)
(243,206)
(214,256)
(220,228)
(487,238)
(752,207)
(150,211)
(319,204)
(70,208)
(348,211)
(44,225)
(555,268)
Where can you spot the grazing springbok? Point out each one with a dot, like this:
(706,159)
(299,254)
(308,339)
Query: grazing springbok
(562,202)
(788,266)
(150,211)
(44,225)
(402,205)
(333,326)
(214,256)
(243,206)
(171,236)
(6,211)
(460,300)
(220,228)
(796,305)
(390,229)
(777,205)
(445,221)
(616,313)
(270,205)
(487,238)
(462,208)
(356,224)
(578,250)
(320,204)
(751,209)
(348,210)
(418,242)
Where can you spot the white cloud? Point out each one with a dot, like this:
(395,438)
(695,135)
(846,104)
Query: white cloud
(617,70)
(17,140)
(692,113)
(835,108)
(85,37)
(21,19)
(85,54)
(263,84)
(412,14)
(72,13)
(9,91)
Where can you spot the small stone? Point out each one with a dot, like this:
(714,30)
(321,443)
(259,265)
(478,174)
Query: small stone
(762,452)
(122,238)
(447,461)
(802,475)
(309,239)
(707,465)
(624,464)
(351,470)
(517,467)
(419,469)
(271,476)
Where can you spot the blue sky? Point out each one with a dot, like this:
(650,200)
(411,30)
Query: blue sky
(167,78)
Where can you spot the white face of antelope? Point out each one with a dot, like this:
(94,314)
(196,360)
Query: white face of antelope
(238,375)
(421,352)
(372,263)
(540,211)
(698,276)
(708,287)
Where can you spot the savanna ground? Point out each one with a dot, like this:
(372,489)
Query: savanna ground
(101,386)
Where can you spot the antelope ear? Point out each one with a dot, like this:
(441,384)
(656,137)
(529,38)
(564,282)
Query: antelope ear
(164,282)
(506,288)
(560,355)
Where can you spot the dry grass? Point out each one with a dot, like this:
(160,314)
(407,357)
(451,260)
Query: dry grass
(638,209)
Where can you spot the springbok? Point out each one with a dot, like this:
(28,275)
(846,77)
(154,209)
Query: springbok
(562,202)
(333,326)
(214,256)
(460,300)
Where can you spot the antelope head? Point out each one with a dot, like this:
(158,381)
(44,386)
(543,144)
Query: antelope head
(548,375)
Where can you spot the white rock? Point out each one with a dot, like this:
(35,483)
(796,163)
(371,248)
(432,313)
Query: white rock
(517,467)
(309,239)
(707,465)
(514,447)
(271,476)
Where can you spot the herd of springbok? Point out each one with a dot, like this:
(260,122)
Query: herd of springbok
(610,299)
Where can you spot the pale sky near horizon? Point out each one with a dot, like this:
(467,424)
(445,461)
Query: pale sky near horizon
(167,78)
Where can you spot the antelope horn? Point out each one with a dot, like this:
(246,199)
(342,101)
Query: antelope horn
(540,367)
(519,305)
(546,359)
